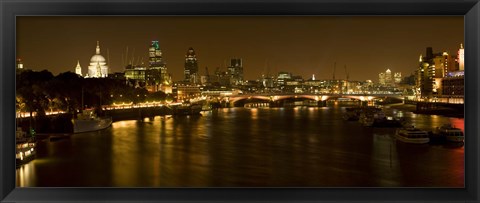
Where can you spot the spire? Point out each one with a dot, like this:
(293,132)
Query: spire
(78,69)
(98,48)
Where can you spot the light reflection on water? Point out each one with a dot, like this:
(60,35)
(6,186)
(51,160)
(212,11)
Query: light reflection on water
(247,147)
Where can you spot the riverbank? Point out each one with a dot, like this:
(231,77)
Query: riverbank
(441,111)
(44,126)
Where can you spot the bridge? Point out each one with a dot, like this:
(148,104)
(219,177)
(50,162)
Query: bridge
(230,100)
(272,97)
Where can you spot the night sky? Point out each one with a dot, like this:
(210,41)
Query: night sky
(300,45)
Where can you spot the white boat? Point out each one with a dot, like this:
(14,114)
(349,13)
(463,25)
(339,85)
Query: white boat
(88,121)
(25,147)
(412,135)
(450,133)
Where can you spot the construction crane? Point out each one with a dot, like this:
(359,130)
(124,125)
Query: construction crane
(347,77)
(334,67)
(346,73)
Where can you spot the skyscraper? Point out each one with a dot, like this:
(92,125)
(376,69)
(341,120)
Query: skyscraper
(388,77)
(157,74)
(381,78)
(236,71)
(191,67)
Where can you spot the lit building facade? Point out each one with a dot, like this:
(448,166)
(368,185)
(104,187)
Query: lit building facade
(98,66)
(136,75)
(381,78)
(19,64)
(436,72)
(236,71)
(461,58)
(453,86)
(191,67)
(425,78)
(429,75)
(156,76)
(388,77)
(157,65)
(397,78)
(186,92)
(443,64)
(283,77)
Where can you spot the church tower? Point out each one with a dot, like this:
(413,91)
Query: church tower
(78,69)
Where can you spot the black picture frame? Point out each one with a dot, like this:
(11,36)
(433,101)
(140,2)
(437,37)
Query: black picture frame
(9,9)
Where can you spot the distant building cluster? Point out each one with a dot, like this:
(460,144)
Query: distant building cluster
(386,78)
(440,75)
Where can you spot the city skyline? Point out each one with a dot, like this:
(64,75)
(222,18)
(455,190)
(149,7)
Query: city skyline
(300,45)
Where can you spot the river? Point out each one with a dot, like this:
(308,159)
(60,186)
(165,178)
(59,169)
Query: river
(248,147)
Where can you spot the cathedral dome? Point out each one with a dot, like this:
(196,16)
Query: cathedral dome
(97,58)
(98,65)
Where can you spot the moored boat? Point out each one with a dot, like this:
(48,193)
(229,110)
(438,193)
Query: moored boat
(449,133)
(25,147)
(354,113)
(88,121)
(186,109)
(377,118)
(412,135)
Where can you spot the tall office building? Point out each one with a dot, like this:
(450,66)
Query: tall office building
(157,74)
(381,78)
(191,67)
(236,71)
(388,77)
(425,74)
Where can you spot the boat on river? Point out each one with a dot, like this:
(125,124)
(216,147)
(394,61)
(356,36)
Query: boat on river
(25,147)
(353,113)
(412,135)
(377,118)
(89,121)
(186,109)
(449,133)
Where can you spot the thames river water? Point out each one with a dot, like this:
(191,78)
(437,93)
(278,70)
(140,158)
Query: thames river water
(248,147)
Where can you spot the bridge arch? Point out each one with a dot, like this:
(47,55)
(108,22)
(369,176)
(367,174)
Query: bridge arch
(314,97)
